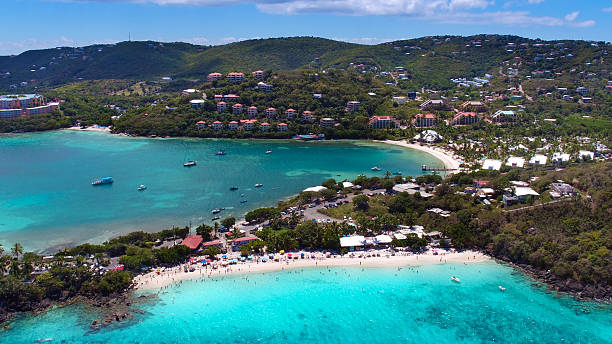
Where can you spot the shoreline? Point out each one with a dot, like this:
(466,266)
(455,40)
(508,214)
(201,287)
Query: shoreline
(168,277)
(450,162)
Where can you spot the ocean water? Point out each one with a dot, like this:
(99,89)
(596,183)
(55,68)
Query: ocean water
(343,305)
(46,197)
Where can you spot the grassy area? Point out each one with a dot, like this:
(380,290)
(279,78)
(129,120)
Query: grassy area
(377,203)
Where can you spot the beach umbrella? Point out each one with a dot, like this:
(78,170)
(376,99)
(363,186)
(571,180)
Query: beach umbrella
(119,267)
(250,257)
(282,251)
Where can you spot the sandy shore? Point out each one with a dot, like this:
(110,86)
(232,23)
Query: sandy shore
(91,128)
(161,278)
(447,158)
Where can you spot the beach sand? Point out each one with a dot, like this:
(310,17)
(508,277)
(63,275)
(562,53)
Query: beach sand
(91,128)
(447,158)
(160,278)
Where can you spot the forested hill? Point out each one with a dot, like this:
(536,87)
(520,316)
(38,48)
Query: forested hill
(429,61)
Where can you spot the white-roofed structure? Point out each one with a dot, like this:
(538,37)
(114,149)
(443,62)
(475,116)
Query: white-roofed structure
(560,157)
(538,159)
(491,164)
(408,187)
(347,185)
(383,239)
(352,241)
(521,191)
(399,236)
(318,188)
(429,136)
(588,155)
(515,161)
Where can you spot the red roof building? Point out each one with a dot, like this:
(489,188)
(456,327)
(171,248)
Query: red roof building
(192,241)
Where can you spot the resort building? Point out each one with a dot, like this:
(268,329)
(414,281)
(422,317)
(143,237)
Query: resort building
(382,122)
(196,103)
(399,99)
(252,111)
(218,97)
(428,136)
(491,164)
(271,112)
(13,105)
(217,125)
(193,242)
(221,106)
(217,243)
(399,70)
(258,74)
(563,189)
(326,122)
(235,77)
(353,105)
(538,159)
(353,242)
(515,161)
(474,106)
(264,126)
(282,127)
(465,118)
(214,76)
(237,109)
(434,104)
(231,97)
(501,116)
(248,124)
(290,113)
(201,125)
(307,116)
(237,243)
(233,125)
(262,86)
(424,120)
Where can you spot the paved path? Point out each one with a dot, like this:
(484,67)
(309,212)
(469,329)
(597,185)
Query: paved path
(537,205)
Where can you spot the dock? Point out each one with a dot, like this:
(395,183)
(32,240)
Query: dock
(437,169)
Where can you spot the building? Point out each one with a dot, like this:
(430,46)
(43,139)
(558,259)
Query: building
(13,105)
(216,243)
(515,161)
(233,125)
(525,193)
(214,76)
(465,118)
(221,107)
(353,105)
(235,77)
(582,90)
(501,116)
(231,97)
(217,125)
(586,155)
(262,86)
(192,241)
(434,104)
(399,69)
(237,109)
(200,125)
(475,106)
(491,164)
(282,127)
(538,159)
(399,99)
(252,111)
(290,113)
(271,112)
(307,116)
(558,158)
(428,136)
(197,103)
(326,122)
(258,74)
(353,242)
(563,189)
(424,120)
(264,126)
(189,92)
(382,122)
(248,124)
(237,243)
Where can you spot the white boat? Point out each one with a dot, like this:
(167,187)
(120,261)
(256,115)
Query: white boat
(268,151)
(142,187)
(455,279)
(258,185)
(375,168)
(502,288)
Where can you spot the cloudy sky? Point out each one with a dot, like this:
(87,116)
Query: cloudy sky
(35,24)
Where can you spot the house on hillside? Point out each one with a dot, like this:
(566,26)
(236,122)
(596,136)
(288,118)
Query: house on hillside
(221,106)
(538,159)
(502,116)
(200,125)
(327,122)
(434,104)
(290,113)
(271,112)
(465,118)
(252,111)
(353,105)
(474,106)
(491,164)
(214,76)
(282,127)
(515,161)
(382,122)
(424,120)
(235,77)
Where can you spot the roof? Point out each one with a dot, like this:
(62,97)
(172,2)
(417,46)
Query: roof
(383,239)
(317,188)
(247,238)
(515,161)
(491,164)
(212,243)
(352,241)
(524,191)
(192,241)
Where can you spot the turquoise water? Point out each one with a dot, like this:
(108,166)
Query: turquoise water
(344,305)
(46,197)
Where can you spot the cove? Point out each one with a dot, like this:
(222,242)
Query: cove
(48,200)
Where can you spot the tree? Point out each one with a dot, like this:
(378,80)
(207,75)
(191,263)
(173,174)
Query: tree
(361,202)
(228,222)
(17,250)
(205,232)
(211,251)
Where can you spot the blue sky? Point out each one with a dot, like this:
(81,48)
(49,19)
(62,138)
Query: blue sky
(35,24)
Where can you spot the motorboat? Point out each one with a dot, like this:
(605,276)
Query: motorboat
(142,187)
(258,185)
(268,151)
(221,152)
(243,201)
(375,168)
(455,279)
(215,218)
(216,211)
(190,163)
(502,288)
(103,181)
(233,188)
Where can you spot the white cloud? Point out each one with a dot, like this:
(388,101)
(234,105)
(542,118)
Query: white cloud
(572,16)
(607,9)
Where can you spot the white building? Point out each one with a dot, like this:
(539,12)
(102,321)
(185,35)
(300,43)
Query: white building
(515,161)
(491,164)
(538,159)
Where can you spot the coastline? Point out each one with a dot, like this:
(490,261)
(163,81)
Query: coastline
(161,278)
(450,161)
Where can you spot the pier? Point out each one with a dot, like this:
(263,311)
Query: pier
(437,169)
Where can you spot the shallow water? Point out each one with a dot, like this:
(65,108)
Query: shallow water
(46,197)
(344,305)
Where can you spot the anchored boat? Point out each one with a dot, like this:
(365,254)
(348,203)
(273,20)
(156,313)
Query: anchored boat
(102,181)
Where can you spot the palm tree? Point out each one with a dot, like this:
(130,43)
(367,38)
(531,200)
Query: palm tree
(1,250)
(17,250)
(387,175)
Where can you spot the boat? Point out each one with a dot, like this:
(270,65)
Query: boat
(102,181)
(375,168)
(216,211)
(233,188)
(502,288)
(190,163)
(455,279)
(241,195)
(221,152)
(258,185)
(243,201)
(142,187)
(398,173)
(215,218)
(268,151)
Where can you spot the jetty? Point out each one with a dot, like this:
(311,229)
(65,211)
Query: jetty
(437,169)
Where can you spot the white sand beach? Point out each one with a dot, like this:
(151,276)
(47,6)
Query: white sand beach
(160,278)
(91,128)
(448,159)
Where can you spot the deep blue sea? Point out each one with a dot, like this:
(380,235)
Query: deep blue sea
(343,305)
(46,197)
